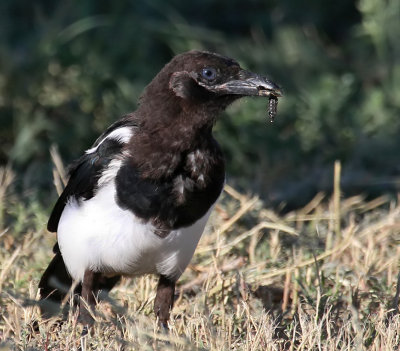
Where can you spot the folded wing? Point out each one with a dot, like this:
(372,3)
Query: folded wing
(85,173)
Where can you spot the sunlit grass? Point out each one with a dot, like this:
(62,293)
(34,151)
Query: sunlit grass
(323,277)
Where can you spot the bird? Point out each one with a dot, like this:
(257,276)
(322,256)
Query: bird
(138,200)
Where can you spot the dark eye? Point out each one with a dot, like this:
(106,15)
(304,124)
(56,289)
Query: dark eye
(209,73)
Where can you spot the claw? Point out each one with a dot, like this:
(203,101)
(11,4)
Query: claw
(163,325)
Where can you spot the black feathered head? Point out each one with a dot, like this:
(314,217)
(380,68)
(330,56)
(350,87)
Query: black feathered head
(198,77)
(195,87)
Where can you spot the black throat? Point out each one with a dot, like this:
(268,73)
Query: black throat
(175,170)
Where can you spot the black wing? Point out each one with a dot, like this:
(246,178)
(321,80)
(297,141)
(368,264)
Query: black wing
(86,171)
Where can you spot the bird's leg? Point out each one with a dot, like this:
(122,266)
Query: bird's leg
(89,292)
(164,300)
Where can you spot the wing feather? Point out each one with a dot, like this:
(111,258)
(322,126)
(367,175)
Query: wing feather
(84,173)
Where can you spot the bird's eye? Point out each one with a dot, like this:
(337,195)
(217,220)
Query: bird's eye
(209,73)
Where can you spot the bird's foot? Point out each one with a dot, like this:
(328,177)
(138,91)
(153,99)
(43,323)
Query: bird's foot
(85,318)
(163,324)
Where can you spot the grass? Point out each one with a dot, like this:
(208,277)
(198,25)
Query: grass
(323,277)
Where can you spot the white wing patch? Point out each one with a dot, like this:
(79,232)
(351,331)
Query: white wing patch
(122,135)
(110,172)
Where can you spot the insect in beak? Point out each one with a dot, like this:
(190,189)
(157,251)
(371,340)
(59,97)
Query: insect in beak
(272,107)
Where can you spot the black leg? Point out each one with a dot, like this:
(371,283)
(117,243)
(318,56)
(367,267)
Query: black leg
(89,293)
(164,300)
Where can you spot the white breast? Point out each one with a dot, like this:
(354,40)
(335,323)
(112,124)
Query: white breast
(99,235)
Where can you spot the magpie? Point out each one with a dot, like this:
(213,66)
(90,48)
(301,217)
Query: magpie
(138,200)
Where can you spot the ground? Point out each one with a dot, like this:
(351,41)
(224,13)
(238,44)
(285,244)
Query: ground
(323,277)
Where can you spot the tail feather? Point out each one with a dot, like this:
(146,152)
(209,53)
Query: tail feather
(54,286)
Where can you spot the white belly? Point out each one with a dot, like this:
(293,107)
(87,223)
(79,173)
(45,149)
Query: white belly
(99,235)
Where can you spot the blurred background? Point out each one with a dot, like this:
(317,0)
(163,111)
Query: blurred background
(70,68)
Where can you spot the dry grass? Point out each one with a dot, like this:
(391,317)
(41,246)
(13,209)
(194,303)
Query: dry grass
(321,278)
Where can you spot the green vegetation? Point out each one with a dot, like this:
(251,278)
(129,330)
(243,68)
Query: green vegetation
(69,69)
(311,266)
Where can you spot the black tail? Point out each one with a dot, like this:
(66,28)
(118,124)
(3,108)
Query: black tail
(56,283)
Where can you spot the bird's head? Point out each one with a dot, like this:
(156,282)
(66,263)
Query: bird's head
(207,82)
(204,74)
